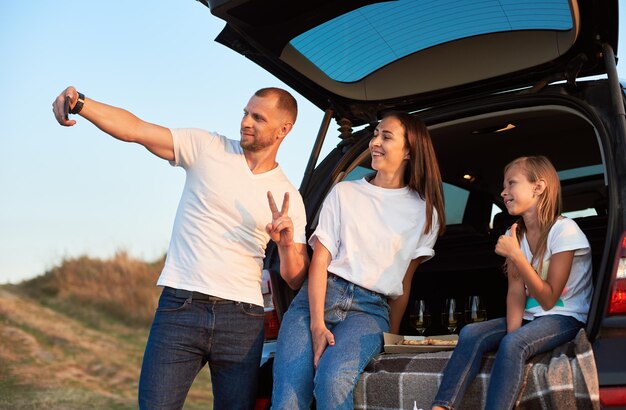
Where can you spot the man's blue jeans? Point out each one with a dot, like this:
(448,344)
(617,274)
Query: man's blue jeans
(357,317)
(185,335)
(513,350)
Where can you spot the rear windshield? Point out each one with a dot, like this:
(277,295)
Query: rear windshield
(354,45)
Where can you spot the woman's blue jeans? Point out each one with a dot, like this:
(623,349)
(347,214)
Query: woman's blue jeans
(185,335)
(513,350)
(357,317)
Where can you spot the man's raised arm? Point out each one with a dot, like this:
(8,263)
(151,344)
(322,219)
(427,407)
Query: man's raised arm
(116,122)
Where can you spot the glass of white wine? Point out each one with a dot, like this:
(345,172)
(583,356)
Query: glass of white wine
(419,316)
(450,316)
(475,310)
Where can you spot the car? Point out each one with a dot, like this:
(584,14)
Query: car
(492,81)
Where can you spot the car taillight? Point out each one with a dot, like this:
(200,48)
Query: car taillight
(271,324)
(271,317)
(262,403)
(617,304)
(613,396)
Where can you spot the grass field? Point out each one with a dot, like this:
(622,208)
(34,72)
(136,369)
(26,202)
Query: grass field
(73,338)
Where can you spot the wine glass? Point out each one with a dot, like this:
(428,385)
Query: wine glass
(450,316)
(475,310)
(419,316)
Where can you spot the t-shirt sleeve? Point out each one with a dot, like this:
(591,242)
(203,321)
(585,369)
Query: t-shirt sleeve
(567,236)
(427,241)
(327,230)
(188,144)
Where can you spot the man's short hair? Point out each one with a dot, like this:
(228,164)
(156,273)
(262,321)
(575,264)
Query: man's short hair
(285,100)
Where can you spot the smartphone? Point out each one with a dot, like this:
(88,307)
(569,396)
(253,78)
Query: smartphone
(66,110)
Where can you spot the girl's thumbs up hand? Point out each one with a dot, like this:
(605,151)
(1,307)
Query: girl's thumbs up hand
(508,245)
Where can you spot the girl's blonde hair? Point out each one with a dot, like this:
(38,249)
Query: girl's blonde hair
(539,168)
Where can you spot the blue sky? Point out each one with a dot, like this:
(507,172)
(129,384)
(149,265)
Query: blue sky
(73,191)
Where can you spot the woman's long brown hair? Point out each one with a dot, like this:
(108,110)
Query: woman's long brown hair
(422,172)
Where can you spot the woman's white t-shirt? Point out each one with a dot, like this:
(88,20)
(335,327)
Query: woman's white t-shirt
(373,233)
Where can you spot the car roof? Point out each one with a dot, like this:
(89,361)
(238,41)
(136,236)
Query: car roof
(363,57)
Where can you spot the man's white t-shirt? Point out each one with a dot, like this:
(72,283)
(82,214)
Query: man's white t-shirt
(373,233)
(219,238)
(565,235)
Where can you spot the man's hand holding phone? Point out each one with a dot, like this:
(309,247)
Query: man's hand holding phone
(66,109)
(61,107)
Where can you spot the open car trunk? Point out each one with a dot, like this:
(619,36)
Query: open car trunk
(473,145)
(482,76)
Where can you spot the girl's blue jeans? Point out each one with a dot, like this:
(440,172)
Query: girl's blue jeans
(357,317)
(513,349)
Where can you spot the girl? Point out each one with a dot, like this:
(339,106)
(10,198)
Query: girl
(548,266)
(371,236)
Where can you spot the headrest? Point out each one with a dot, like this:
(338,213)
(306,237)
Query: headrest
(502,221)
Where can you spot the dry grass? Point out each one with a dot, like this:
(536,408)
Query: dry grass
(73,338)
(121,288)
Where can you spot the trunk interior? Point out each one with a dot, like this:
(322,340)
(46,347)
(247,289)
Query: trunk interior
(472,151)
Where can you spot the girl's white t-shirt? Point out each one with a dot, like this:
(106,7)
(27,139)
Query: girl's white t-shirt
(373,233)
(565,235)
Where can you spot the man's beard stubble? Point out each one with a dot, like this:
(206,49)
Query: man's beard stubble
(255,145)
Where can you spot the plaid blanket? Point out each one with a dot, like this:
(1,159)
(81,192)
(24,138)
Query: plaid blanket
(564,378)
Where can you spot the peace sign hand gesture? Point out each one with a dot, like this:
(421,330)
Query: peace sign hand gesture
(508,245)
(281,228)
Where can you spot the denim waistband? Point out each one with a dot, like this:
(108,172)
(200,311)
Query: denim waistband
(340,279)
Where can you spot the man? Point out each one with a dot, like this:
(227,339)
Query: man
(211,307)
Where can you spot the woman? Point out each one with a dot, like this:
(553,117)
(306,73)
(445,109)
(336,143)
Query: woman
(371,236)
